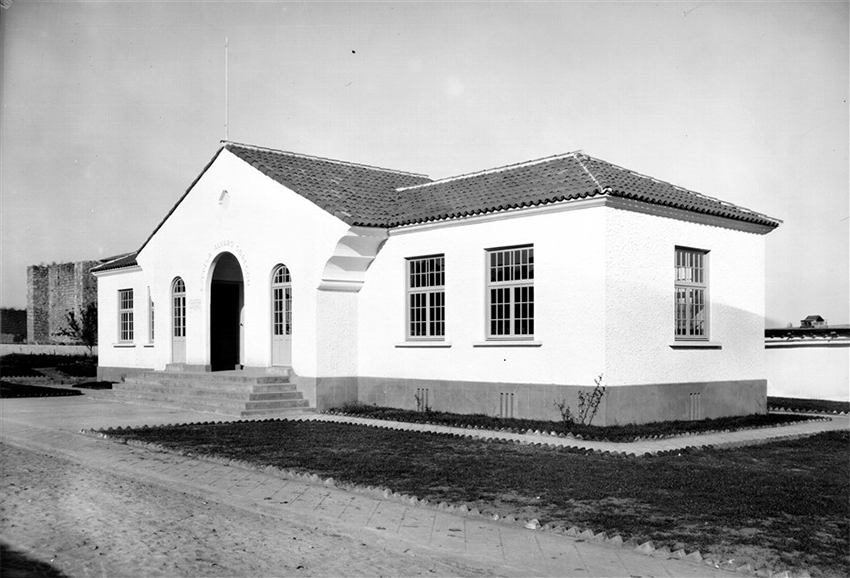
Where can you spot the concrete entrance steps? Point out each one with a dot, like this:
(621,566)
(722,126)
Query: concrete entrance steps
(234,393)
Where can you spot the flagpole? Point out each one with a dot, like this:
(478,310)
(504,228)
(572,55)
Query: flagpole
(225,89)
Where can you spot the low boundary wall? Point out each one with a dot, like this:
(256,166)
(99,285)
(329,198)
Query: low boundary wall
(808,368)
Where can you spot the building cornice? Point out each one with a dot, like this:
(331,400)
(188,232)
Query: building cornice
(579,204)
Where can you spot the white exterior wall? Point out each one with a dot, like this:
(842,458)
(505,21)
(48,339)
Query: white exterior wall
(262,224)
(639,308)
(111,352)
(569,251)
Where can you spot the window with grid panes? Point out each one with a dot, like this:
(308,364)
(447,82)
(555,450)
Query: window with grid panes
(178,303)
(691,289)
(510,293)
(282,301)
(426,297)
(125,315)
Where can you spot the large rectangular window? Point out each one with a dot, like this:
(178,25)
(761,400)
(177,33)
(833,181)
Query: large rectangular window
(426,297)
(125,315)
(510,293)
(691,289)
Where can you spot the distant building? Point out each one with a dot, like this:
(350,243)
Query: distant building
(54,290)
(813,321)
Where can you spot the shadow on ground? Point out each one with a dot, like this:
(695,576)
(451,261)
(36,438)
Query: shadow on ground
(18,565)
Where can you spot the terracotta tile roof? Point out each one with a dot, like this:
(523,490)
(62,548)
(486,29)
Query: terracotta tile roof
(619,182)
(375,197)
(525,185)
(356,194)
(119,262)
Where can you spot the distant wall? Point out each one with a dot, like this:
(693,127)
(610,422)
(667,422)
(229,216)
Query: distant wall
(27,349)
(52,291)
(809,369)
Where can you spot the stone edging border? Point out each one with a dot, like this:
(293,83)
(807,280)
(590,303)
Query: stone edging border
(554,434)
(647,548)
(782,409)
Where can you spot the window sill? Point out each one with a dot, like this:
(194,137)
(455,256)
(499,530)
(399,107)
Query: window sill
(696,345)
(148,345)
(508,343)
(424,344)
(123,345)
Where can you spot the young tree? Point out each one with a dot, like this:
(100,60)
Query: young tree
(83,327)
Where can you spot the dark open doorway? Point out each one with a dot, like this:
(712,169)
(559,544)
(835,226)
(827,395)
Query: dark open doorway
(226,302)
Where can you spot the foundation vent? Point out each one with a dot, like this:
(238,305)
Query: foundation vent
(422,401)
(506,404)
(695,407)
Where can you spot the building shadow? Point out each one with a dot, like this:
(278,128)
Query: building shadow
(16,564)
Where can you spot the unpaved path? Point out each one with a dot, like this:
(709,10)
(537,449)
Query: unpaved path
(89,522)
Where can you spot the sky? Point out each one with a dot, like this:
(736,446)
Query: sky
(111,109)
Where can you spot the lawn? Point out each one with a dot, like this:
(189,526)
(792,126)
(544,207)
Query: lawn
(25,375)
(10,390)
(782,505)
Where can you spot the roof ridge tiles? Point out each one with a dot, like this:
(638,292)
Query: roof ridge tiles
(489,171)
(226,143)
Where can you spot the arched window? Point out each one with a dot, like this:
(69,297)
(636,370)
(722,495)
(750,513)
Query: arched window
(178,321)
(178,292)
(281,316)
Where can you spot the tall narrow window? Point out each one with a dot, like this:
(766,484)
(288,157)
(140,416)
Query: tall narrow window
(150,320)
(691,289)
(281,301)
(125,315)
(426,297)
(510,293)
(179,308)
(281,316)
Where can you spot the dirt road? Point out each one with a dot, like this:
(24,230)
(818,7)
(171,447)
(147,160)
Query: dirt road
(90,522)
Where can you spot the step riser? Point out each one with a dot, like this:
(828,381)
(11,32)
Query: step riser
(217,406)
(203,394)
(212,377)
(210,384)
(202,389)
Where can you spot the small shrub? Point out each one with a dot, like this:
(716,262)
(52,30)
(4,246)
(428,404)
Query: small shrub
(588,405)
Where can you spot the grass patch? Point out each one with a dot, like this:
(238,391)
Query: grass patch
(812,405)
(11,390)
(78,369)
(7,371)
(94,385)
(782,505)
(36,360)
(622,433)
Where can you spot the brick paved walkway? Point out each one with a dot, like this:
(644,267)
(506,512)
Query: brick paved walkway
(52,425)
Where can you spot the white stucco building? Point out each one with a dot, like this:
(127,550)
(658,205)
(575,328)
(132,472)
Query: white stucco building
(498,292)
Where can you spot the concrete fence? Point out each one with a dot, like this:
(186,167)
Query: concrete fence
(808,368)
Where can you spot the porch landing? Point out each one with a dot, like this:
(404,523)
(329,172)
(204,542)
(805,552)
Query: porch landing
(244,393)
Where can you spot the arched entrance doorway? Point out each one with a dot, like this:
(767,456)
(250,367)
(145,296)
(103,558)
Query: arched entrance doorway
(226,303)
